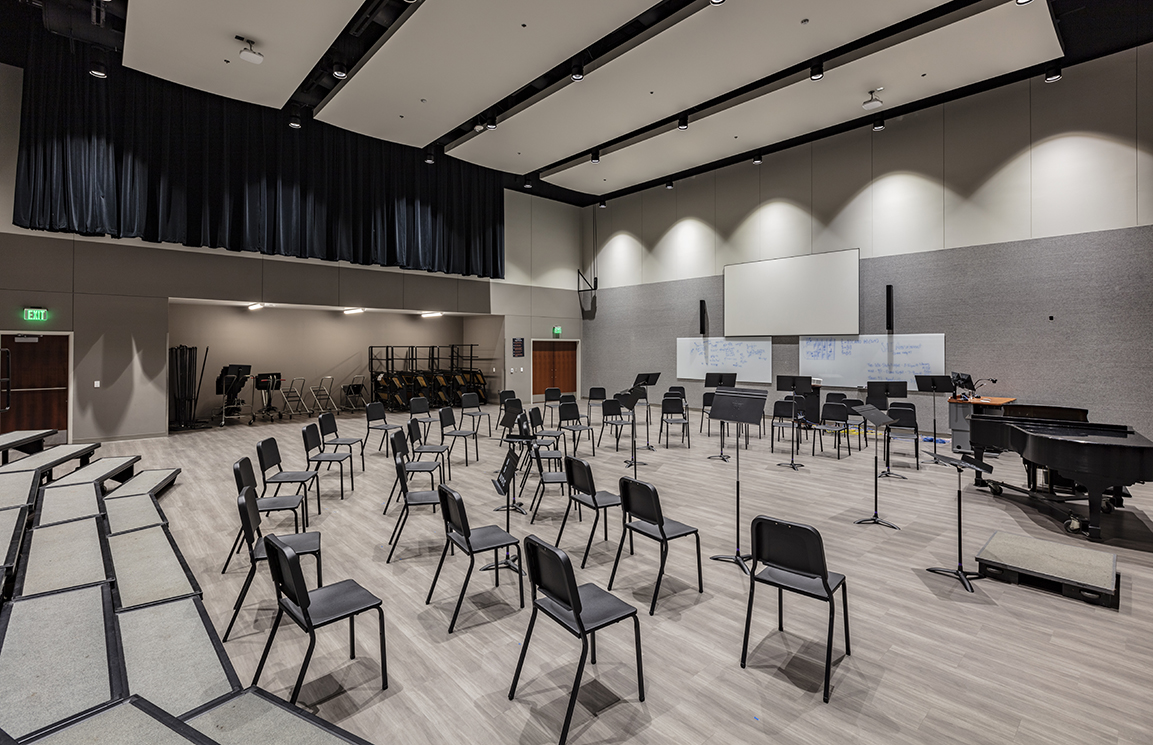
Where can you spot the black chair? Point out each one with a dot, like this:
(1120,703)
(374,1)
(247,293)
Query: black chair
(470,407)
(639,501)
(906,422)
(582,611)
(551,402)
(420,448)
(313,609)
(512,408)
(582,490)
(596,397)
(793,556)
(408,499)
(903,405)
(400,447)
(330,436)
(537,421)
(537,440)
(673,414)
(503,396)
(268,456)
(304,544)
(294,503)
(570,421)
(612,415)
(851,405)
(781,422)
(547,479)
(834,419)
(313,443)
(834,397)
(419,410)
(706,409)
(677,389)
(377,422)
(448,428)
(472,542)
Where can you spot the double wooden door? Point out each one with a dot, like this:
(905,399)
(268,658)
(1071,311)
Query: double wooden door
(39,380)
(554,366)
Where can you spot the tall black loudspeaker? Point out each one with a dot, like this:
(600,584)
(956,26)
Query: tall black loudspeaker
(888,307)
(704,319)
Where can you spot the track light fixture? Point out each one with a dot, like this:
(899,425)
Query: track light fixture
(817,71)
(716,2)
(879,125)
(294,119)
(339,71)
(528,181)
(668,184)
(1024,2)
(353,311)
(256,306)
(603,204)
(97,69)
(479,126)
(248,54)
(683,122)
(757,159)
(491,122)
(578,71)
(430,155)
(596,156)
(1053,73)
(432,314)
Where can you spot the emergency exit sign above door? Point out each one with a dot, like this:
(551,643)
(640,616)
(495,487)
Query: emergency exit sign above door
(35,314)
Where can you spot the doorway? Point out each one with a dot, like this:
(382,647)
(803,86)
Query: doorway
(554,365)
(39,368)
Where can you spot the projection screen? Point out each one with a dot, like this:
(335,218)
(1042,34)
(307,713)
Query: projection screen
(797,296)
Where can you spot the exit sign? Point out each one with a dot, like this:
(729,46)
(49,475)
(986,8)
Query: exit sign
(556,330)
(35,314)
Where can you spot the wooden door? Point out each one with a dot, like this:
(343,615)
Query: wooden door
(554,366)
(39,382)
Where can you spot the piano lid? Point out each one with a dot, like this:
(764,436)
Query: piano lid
(1115,435)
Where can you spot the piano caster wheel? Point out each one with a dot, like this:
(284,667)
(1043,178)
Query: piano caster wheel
(996,490)
(1106,506)
(1073,525)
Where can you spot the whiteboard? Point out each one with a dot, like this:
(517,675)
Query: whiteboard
(750,359)
(813,294)
(851,361)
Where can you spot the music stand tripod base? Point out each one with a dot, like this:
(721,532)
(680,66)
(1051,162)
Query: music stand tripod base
(722,455)
(738,558)
(960,573)
(877,418)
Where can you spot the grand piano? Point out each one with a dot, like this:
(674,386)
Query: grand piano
(1085,460)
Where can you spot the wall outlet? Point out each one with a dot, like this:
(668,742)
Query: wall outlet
(95,383)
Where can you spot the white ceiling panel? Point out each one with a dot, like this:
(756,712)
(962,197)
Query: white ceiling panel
(454,58)
(715,50)
(192,43)
(1003,39)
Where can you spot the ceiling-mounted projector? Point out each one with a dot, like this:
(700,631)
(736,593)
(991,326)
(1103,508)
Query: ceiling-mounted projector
(873,102)
(248,54)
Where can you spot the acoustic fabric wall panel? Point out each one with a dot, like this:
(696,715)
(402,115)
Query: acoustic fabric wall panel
(800,295)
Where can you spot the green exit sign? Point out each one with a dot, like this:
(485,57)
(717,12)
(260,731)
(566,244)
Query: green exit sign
(35,314)
(556,330)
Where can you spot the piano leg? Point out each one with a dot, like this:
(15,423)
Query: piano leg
(1096,492)
(979,456)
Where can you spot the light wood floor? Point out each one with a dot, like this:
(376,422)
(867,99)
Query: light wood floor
(930,663)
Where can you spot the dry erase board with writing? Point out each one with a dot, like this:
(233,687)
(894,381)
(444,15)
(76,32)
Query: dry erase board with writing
(750,359)
(851,361)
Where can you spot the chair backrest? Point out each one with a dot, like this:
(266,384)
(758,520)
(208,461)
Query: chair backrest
(398,461)
(506,395)
(399,444)
(268,455)
(672,404)
(418,405)
(284,565)
(902,405)
(447,418)
(833,397)
(708,399)
(639,499)
(513,405)
(452,507)
(327,424)
(677,389)
(611,409)
(414,435)
(242,472)
(249,518)
(906,418)
(375,413)
(535,418)
(568,398)
(791,547)
(852,404)
(539,461)
(550,571)
(881,401)
(597,394)
(523,428)
(552,394)
(580,476)
(783,409)
(834,412)
(569,412)
(311,437)
(469,400)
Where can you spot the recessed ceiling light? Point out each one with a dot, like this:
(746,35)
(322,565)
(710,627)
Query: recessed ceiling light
(1053,74)
(434,314)
(248,54)
(339,71)
(256,306)
(817,71)
(352,311)
(683,122)
(879,125)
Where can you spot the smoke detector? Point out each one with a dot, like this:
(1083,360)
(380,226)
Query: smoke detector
(873,102)
(248,54)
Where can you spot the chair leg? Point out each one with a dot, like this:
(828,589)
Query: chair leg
(845,610)
(660,576)
(617,560)
(268,644)
(234,550)
(520,575)
(563,522)
(780,609)
(395,539)
(383,652)
(463,589)
(536,500)
(240,600)
(352,637)
(829,646)
(593,647)
(436,576)
(304,666)
(592,534)
(748,620)
(575,688)
(700,574)
(523,652)
(640,664)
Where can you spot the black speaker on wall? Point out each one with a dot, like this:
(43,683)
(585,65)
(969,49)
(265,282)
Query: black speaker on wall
(704,319)
(888,308)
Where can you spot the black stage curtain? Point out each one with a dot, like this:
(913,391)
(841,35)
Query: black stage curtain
(133,156)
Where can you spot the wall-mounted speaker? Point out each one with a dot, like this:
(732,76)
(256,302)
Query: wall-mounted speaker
(888,308)
(704,319)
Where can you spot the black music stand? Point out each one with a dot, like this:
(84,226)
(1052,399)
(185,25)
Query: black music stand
(801,384)
(726,380)
(934,384)
(629,401)
(960,573)
(888,389)
(643,381)
(740,406)
(877,418)
(505,485)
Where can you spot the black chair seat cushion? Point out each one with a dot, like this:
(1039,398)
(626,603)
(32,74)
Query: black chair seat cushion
(673,529)
(291,477)
(384,427)
(676,420)
(333,603)
(551,433)
(459,433)
(839,427)
(554,477)
(484,538)
(811,586)
(272,504)
(423,419)
(617,422)
(576,428)
(301,543)
(431,449)
(550,454)
(343,441)
(603,499)
(421,466)
(328,457)
(599,608)
(421,498)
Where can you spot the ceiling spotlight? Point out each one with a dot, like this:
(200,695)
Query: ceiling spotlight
(578,71)
(596,156)
(429,155)
(879,125)
(248,54)
(668,184)
(817,71)
(491,122)
(1052,74)
(1024,2)
(528,182)
(479,126)
(339,71)
(757,159)
(603,204)
(256,306)
(873,102)
(98,69)
(434,314)
(683,122)
(294,121)
(716,2)
(353,311)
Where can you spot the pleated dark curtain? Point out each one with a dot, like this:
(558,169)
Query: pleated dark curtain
(133,156)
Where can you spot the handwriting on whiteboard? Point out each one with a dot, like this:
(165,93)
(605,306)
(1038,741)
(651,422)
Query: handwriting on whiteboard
(732,354)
